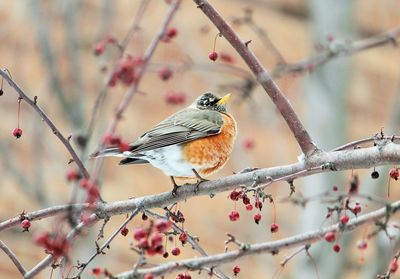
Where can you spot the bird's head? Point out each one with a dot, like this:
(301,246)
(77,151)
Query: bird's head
(211,102)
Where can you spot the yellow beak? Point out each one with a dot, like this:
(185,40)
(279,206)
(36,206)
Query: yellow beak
(224,99)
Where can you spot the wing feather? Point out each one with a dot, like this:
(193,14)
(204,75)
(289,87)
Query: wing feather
(181,127)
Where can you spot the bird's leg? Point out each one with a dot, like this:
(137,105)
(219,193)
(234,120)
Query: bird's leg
(176,186)
(200,180)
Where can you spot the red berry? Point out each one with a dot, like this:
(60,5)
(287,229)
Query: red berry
(42,239)
(335,188)
(85,183)
(171,33)
(173,97)
(165,73)
(73,175)
(176,251)
(394,173)
(248,144)
(96,271)
(156,239)
(258,204)
(17,132)
(330,236)
(356,209)
(226,57)
(362,245)
(99,48)
(163,225)
(245,199)
(274,228)
(165,255)
(139,233)
(213,55)
(124,146)
(124,231)
(180,276)
(236,270)
(235,195)
(183,238)
(187,276)
(344,219)
(393,266)
(336,248)
(26,224)
(257,218)
(249,207)
(234,215)
(148,276)
(143,243)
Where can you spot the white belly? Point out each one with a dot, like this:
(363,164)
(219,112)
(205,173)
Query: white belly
(169,159)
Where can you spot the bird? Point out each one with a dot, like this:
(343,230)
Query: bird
(192,143)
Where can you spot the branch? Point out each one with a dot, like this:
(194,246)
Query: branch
(46,119)
(13,257)
(385,153)
(272,247)
(263,77)
(338,51)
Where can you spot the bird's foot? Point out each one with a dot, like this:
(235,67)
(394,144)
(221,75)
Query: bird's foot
(199,181)
(175,189)
(176,186)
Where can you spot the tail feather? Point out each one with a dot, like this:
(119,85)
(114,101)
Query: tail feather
(113,151)
(116,152)
(129,161)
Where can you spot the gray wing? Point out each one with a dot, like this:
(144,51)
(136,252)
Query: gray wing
(181,127)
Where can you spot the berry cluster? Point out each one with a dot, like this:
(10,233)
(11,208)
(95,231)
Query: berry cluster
(126,71)
(56,245)
(151,238)
(175,97)
(100,46)
(234,215)
(111,140)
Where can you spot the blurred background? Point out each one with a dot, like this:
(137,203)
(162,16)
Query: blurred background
(48,48)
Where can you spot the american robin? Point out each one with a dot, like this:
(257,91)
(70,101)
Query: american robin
(192,143)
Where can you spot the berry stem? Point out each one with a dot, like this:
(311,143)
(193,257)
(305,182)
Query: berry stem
(273,205)
(19,110)
(215,40)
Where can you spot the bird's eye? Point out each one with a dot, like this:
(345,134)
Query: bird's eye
(205,102)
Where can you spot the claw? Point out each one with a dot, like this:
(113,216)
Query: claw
(176,186)
(200,180)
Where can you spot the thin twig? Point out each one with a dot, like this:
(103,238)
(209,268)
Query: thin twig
(340,51)
(106,243)
(263,77)
(292,255)
(13,257)
(48,121)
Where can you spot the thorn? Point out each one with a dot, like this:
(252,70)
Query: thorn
(69,137)
(70,161)
(247,43)
(35,99)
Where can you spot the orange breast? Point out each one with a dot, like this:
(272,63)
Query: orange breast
(211,153)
